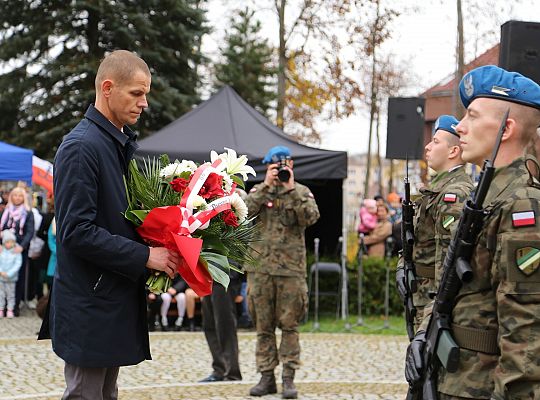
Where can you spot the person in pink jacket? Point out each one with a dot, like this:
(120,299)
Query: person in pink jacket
(368,217)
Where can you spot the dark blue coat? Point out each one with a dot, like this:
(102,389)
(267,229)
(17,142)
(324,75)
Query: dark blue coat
(98,307)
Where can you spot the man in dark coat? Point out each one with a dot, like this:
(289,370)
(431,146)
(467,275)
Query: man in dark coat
(98,303)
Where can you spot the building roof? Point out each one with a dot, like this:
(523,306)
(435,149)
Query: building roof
(490,57)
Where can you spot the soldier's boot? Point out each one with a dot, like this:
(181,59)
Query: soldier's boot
(267,385)
(289,390)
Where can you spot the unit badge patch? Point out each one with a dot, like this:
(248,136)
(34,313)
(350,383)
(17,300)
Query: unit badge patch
(528,259)
(468,84)
(450,197)
(524,218)
(447,221)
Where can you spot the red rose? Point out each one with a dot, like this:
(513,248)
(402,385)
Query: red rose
(229,217)
(179,184)
(212,187)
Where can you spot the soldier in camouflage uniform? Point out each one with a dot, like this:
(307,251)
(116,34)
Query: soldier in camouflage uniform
(495,320)
(277,290)
(437,211)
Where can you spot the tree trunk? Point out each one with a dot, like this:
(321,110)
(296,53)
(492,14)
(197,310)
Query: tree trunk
(391,178)
(373,104)
(458,107)
(280,8)
(379,161)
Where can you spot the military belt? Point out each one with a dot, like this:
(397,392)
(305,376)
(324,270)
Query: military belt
(425,272)
(481,340)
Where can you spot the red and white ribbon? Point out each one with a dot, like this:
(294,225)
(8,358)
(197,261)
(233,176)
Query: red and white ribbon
(191,222)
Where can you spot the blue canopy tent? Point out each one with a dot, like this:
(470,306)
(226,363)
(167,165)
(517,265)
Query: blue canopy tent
(15,163)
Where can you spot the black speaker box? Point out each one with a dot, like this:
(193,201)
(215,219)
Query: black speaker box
(520,48)
(405,132)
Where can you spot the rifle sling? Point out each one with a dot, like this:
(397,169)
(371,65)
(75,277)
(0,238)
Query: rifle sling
(425,272)
(481,340)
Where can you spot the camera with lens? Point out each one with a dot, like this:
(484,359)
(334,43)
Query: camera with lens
(283,173)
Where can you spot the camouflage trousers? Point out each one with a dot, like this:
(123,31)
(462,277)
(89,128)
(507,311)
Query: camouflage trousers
(277,302)
(443,396)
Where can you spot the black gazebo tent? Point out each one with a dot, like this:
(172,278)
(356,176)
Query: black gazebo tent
(226,120)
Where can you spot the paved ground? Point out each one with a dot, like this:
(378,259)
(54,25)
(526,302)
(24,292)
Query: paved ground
(336,366)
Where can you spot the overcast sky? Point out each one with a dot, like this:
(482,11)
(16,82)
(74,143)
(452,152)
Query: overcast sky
(425,39)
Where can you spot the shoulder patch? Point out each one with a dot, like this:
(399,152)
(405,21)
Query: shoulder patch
(447,221)
(253,189)
(528,259)
(310,195)
(523,218)
(450,197)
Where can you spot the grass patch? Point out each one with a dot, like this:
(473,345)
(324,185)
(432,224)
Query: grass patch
(372,325)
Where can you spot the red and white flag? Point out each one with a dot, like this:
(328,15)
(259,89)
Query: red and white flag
(450,197)
(524,218)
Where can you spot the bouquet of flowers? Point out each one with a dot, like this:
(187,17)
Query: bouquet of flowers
(195,211)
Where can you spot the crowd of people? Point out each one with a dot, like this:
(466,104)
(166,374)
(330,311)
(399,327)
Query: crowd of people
(378,221)
(27,256)
(99,310)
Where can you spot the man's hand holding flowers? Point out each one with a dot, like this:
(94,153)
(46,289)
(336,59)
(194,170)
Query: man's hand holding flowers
(163,259)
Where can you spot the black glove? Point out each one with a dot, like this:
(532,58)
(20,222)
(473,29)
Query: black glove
(400,283)
(414,363)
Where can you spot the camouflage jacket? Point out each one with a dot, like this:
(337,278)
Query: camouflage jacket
(504,295)
(283,216)
(436,211)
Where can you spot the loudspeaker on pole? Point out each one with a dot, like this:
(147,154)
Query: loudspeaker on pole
(520,48)
(405,131)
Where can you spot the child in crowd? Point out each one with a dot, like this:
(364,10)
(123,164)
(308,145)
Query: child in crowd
(368,217)
(10,263)
(394,201)
(176,290)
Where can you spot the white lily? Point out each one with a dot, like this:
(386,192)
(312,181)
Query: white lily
(214,156)
(235,164)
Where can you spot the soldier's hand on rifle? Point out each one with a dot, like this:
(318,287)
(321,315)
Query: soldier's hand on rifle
(414,363)
(400,283)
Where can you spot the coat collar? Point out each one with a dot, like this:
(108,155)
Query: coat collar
(98,118)
(444,178)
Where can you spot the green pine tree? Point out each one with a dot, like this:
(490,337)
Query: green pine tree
(50,51)
(247,63)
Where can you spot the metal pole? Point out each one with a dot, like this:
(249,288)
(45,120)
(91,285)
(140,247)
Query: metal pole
(388,254)
(344,290)
(360,320)
(386,296)
(316,325)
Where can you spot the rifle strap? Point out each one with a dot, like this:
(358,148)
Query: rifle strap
(481,340)
(425,272)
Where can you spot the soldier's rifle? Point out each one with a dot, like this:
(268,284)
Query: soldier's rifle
(407,238)
(440,348)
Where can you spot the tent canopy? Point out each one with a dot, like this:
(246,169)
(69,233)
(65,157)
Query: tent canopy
(15,163)
(226,120)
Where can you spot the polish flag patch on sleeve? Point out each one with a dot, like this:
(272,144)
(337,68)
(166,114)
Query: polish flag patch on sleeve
(450,197)
(524,218)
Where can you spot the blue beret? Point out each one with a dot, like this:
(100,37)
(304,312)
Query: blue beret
(497,83)
(447,123)
(275,154)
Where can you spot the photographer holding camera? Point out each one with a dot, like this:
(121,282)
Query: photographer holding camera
(277,290)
